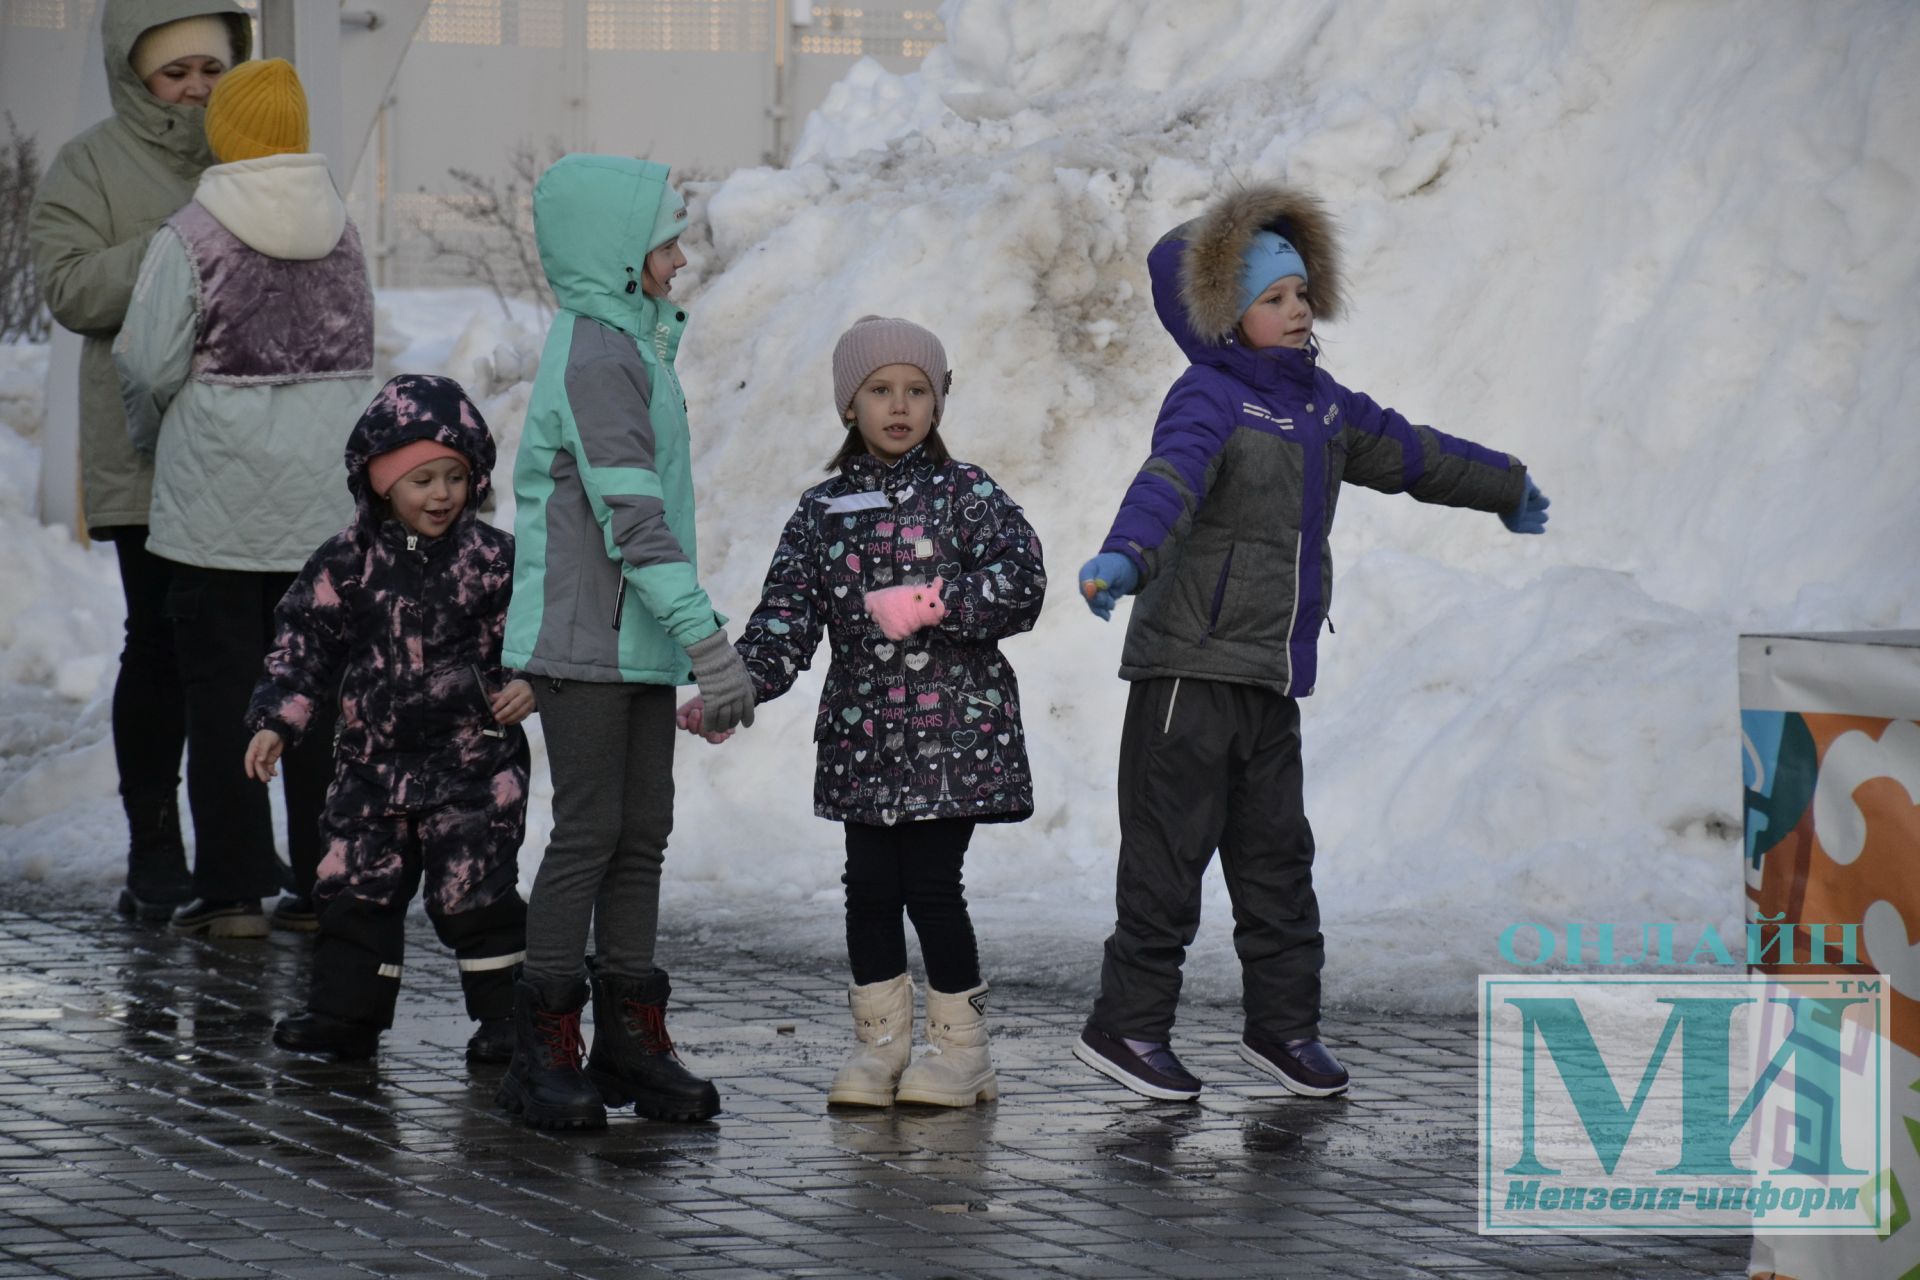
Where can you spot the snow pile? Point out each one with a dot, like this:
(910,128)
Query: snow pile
(1665,258)
(1668,261)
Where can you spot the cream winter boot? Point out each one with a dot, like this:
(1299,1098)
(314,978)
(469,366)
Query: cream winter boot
(956,1070)
(883,1020)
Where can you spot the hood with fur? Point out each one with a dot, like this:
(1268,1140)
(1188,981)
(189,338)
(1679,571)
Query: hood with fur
(1196,266)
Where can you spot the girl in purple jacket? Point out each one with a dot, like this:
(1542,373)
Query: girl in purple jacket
(915,566)
(403,612)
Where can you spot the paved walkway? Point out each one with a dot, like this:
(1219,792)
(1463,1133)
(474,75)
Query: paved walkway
(148,1128)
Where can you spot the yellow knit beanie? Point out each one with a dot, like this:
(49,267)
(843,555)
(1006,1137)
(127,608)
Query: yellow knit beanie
(257,109)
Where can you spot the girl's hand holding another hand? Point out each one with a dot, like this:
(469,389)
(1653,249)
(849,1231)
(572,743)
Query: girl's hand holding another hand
(514,703)
(263,753)
(692,714)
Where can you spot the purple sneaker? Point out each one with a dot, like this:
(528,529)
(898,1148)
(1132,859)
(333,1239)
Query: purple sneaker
(1152,1073)
(1305,1067)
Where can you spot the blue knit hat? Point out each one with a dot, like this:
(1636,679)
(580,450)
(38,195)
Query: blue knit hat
(1268,258)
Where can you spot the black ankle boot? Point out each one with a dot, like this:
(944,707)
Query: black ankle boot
(157,875)
(633,1058)
(321,1033)
(544,1085)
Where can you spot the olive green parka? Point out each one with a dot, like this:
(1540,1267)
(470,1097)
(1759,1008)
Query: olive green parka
(105,194)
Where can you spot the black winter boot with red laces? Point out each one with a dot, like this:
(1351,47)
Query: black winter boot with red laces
(544,1085)
(633,1058)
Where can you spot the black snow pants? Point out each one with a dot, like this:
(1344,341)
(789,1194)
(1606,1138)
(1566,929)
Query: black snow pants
(1207,765)
(373,861)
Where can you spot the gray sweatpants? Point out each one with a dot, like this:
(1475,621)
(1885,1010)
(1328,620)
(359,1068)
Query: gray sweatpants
(1206,765)
(610,749)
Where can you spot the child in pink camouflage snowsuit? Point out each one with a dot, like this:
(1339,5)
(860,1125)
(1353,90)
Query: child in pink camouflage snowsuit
(403,613)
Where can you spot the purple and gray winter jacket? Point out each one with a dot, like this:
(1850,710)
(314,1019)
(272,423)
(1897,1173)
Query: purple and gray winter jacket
(399,623)
(1228,519)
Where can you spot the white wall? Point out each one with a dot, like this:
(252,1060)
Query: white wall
(692,82)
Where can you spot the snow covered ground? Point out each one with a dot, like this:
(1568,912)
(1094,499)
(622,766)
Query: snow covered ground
(1665,253)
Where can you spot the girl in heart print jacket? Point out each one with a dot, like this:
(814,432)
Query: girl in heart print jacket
(916,567)
(929,726)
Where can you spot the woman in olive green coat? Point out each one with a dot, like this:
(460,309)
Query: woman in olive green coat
(102,199)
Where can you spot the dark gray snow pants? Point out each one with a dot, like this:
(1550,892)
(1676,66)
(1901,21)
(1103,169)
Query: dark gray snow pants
(1207,765)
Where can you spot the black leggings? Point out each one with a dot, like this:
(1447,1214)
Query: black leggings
(915,866)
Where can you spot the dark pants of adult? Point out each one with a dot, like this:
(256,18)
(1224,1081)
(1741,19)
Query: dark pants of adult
(1207,765)
(610,749)
(223,627)
(915,867)
(149,723)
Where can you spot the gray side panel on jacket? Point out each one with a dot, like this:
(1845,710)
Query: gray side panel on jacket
(608,390)
(578,636)
(1222,603)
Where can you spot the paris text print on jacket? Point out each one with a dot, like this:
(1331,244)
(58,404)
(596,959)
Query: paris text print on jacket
(1228,519)
(398,622)
(928,727)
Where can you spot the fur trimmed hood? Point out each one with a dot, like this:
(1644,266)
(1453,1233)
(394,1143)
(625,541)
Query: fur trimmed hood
(1213,244)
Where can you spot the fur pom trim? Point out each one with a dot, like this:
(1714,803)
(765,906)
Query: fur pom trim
(1210,264)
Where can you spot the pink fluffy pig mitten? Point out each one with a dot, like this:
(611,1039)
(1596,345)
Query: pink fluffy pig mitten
(901,611)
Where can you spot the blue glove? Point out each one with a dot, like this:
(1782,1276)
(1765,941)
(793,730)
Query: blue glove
(1104,579)
(1531,515)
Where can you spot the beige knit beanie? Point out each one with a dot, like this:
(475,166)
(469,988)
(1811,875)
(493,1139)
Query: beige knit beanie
(207,35)
(877,341)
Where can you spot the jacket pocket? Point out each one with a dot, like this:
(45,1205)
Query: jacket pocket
(1218,604)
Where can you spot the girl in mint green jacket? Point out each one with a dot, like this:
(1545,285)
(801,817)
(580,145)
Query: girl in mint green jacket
(608,617)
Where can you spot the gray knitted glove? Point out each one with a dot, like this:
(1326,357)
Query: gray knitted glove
(724,685)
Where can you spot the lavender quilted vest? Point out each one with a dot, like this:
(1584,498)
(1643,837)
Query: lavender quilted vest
(276,320)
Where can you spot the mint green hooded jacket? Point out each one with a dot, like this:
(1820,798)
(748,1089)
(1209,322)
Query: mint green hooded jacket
(605,586)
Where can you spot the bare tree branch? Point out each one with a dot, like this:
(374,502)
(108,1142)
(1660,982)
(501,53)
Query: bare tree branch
(23,315)
(487,232)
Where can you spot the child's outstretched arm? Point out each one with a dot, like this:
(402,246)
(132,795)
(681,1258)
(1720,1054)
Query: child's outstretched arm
(1000,591)
(1158,509)
(780,638)
(1388,453)
(309,646)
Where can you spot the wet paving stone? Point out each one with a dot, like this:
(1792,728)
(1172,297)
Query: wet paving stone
(149,1128)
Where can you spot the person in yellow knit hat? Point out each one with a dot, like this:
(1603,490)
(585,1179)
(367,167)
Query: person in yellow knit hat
(262,112)
(245,359)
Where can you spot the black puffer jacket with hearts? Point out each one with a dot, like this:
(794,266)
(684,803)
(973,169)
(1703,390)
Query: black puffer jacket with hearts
(928,727)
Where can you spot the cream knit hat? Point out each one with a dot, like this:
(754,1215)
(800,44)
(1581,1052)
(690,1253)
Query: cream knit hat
(877,341)
(207,35)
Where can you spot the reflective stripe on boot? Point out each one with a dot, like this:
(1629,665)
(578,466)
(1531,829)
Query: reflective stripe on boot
(956,1070)
(883,1021)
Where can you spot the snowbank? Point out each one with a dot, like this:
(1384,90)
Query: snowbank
(1664,253)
